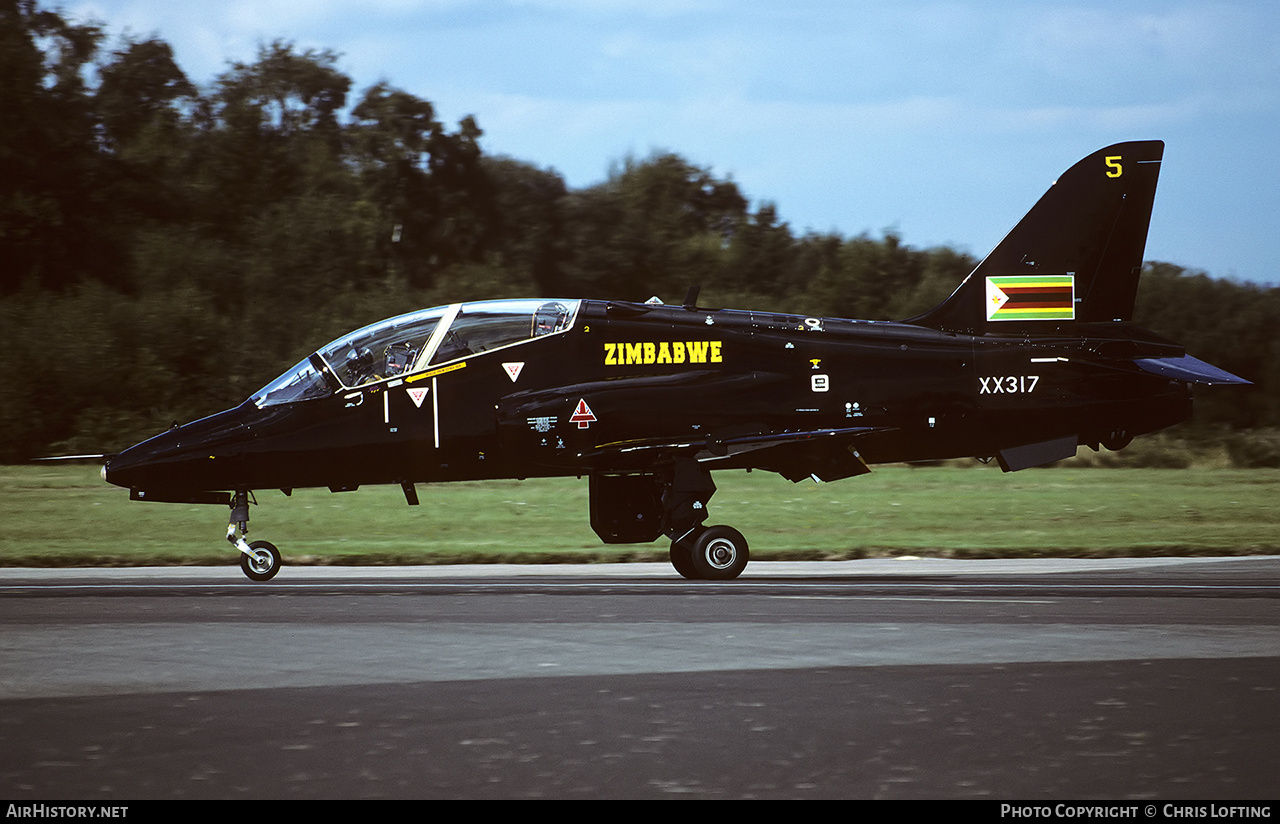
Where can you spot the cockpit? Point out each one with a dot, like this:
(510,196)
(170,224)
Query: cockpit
(417,341)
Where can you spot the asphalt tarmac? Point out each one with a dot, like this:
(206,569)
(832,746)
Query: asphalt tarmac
(1154,679)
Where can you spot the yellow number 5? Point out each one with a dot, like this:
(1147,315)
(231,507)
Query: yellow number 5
(1114,167)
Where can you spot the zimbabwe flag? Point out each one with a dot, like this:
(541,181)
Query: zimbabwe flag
(1031,297)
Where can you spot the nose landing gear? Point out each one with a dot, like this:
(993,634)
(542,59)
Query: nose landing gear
(260,560)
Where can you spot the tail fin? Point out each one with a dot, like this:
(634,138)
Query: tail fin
(1076,256)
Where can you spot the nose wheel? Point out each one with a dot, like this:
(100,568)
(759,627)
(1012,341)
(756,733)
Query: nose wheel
(260,560)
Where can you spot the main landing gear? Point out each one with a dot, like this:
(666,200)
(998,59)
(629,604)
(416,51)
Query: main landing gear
(639,508)
(260,560)
(706,553)
(715,553)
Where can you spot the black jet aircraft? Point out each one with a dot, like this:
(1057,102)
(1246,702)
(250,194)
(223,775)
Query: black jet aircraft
(1032,355)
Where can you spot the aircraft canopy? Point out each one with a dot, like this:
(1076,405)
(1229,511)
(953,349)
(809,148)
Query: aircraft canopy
(410,343)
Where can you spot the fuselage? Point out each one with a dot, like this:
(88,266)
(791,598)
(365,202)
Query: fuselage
(621,385)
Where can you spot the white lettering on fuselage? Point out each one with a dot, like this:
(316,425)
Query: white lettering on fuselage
(1008,384)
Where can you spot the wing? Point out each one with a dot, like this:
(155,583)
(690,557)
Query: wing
(727,421)
(820,454)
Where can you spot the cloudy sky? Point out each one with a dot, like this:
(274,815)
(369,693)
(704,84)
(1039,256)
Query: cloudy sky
(942,121)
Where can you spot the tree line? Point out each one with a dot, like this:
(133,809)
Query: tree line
(167,248)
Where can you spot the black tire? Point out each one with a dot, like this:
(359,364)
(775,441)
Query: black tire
(682,557)
(265,562)
(720,553)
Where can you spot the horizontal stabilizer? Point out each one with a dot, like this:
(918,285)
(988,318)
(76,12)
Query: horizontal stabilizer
(1187,368)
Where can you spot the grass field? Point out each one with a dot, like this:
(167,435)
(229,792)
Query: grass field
(66,516)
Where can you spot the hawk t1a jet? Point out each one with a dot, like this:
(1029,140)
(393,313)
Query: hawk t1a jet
(1033,355)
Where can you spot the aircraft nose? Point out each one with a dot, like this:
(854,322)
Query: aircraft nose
(139,466)
(197,456)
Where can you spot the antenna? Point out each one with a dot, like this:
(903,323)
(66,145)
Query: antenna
(691,299)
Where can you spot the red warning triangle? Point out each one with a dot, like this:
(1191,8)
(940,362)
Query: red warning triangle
(582,416)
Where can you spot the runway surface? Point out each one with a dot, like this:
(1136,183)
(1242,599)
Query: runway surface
(1126,679)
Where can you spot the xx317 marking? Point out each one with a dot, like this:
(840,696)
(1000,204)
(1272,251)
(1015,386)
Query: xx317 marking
(1008,385)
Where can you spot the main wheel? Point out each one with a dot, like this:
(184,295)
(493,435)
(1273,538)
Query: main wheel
(263,564)
(682,557)
(720,554)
